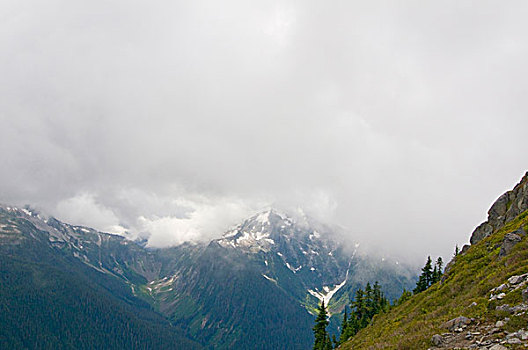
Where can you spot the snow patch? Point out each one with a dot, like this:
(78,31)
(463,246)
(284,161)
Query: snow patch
(269,278)
(294,270)
(231,233)
(328,292)
(263,218)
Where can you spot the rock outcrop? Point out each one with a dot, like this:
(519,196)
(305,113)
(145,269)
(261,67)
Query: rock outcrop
(510,240)
(506,208)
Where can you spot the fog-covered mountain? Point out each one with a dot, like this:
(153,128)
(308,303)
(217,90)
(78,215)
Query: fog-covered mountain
(256,287)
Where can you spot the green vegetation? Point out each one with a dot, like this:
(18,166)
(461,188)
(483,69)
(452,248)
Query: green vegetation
(365,306)
(322,338)
(464,292)
(429,275)
(51,301)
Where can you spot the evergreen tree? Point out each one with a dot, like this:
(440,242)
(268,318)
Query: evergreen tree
(322,339)
(421,285)
(369,302)
(437,272)
(344,328)
(426,278)
(456,250)
(440,264)
(365,306)
(428,271)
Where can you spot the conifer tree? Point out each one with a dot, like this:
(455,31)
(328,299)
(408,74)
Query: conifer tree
(437,272)
(322,339)
(440,264)
(428,271)
(344,328)
(426,278)
(365,306)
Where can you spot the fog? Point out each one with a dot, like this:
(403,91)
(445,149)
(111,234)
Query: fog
(400,122)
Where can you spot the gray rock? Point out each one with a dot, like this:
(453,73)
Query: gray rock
(514,341)
(510,240)
(499,208)
(512,335)
(513,280)
(481,232)
(464,249)
(498,347)
(437,340)
(506,208)
(520,307)
(501,296)
(500,288)
(525,295)
(456,323)
(499,324)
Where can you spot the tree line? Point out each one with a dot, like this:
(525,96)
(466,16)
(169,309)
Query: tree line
(366,304)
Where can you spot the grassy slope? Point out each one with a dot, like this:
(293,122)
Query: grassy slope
(412,324)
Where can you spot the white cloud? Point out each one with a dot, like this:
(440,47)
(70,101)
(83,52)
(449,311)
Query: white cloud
(402,121)
(206,220)
(84,209)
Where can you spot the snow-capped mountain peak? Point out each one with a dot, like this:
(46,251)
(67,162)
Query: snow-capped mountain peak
(262,231)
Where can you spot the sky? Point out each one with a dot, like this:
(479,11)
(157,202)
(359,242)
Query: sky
(401,122)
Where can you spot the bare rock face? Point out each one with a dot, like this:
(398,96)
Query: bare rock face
(506,208)
(510,240)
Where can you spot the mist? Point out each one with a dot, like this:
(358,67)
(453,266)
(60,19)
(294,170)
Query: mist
(400,122)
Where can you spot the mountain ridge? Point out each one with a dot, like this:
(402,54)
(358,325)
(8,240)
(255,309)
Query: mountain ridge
(263,278)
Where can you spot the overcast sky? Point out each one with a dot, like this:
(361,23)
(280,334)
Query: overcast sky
(401,121)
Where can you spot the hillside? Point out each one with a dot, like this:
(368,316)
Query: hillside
(485,284)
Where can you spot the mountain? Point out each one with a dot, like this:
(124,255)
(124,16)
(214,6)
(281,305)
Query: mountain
(264,278)
(482,299)
(256,287)
(57,292)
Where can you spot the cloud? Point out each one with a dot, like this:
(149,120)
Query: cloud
(400,121)
(206,221)
(84,209)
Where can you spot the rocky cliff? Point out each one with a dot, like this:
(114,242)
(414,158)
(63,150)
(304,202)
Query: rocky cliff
(506,208)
